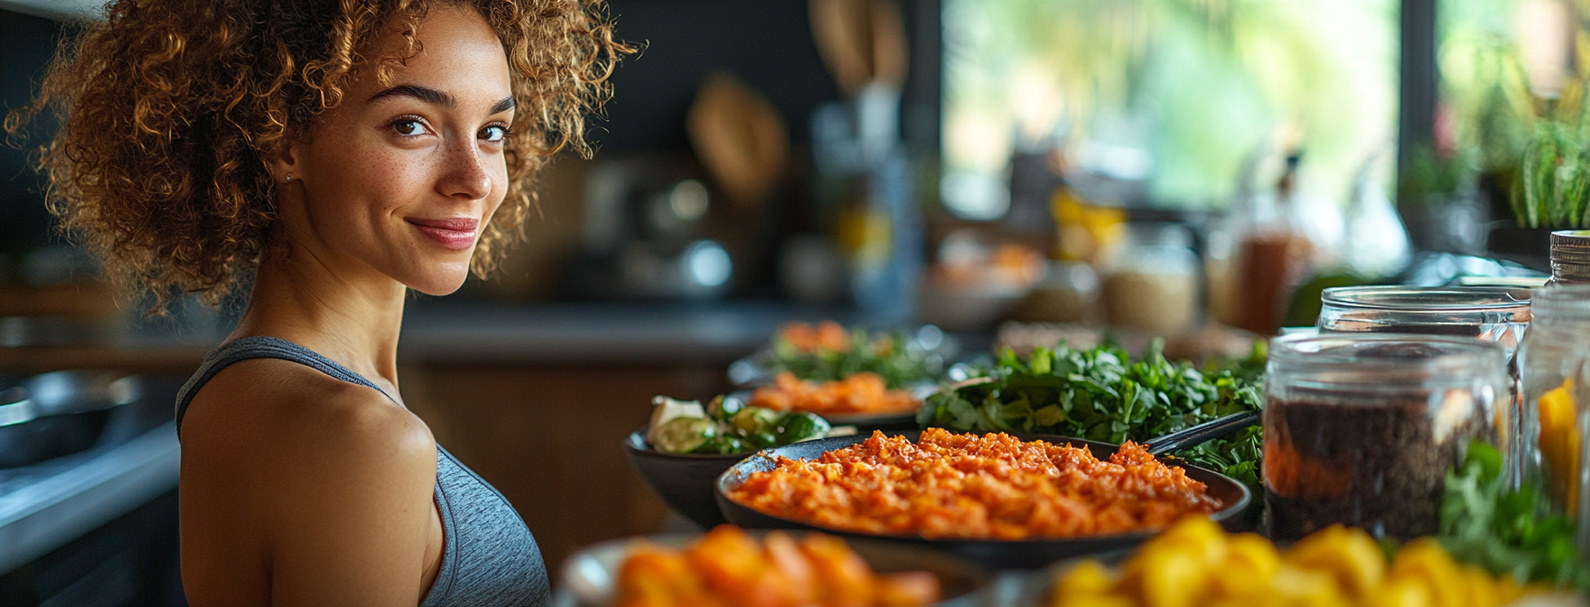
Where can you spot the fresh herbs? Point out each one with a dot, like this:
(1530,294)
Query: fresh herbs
(1101,394)
(826,352)
(1485,523)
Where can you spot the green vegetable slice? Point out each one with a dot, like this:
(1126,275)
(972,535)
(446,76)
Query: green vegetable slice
(751,420)
(798,426)
(684,434)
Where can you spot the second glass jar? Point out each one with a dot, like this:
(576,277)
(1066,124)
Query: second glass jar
(1361,429)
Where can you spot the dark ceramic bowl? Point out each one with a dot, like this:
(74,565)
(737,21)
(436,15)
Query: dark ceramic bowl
(998,554)
(589,575)
(684,481)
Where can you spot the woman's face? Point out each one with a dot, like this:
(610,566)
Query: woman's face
(400,179)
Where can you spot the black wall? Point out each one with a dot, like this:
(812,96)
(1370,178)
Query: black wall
(766,43)
(26,45)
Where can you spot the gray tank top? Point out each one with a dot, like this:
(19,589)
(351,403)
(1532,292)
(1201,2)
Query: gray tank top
(489,558)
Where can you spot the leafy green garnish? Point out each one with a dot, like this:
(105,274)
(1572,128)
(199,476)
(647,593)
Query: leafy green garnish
(893,356)
(1507,531)
(1101,394)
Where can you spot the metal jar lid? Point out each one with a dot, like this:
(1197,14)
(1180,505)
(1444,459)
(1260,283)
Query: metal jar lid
(1570,255)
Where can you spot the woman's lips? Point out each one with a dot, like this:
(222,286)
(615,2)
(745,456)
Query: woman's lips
(456,233)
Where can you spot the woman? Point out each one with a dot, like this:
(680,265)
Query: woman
(332,155)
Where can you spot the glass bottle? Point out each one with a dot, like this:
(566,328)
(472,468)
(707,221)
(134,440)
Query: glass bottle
(1550,359)
(1274,256)
(1361,429)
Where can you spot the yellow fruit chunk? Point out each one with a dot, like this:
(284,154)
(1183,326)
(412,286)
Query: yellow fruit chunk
(1479,588)
(1402,593)
(1197,536)
(1251,561)
(1425,562)
(1172,579)
(1349,555)
(1087,579)
(1298,587)
(1103,600)
(1560,442)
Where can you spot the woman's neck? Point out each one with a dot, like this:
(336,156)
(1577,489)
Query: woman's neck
(352,320)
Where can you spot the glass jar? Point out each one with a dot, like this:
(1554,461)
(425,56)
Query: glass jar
(1151,282)
(1550,359)
(1496,314)
(1488,313)
(1361,429)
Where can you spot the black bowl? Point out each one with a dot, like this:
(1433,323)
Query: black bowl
(999,554)
(590,574)
(684,481)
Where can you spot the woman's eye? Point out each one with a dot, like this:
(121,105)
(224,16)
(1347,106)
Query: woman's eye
(408,127)
(494,133)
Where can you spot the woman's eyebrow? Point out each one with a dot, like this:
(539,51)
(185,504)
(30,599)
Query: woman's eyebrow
(421,93)
(506,104)
(435,97)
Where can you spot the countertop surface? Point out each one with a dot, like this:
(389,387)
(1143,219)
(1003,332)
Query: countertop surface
(44,506)
(605,332)
(439,330)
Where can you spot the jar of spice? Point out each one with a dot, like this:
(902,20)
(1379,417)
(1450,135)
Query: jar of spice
(1361,429)
(1152,282)
(1551,359)
(1497,314)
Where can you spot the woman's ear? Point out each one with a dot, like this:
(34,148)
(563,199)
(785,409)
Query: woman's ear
(284,164)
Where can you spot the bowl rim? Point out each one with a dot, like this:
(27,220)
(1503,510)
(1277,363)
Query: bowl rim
(1226,511)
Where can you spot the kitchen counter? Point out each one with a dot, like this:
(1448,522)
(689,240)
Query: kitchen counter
(462,331)
(51,503)
(605,332)
(598,332)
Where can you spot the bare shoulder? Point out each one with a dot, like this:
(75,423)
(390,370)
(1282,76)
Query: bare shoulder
(304,440)
(325,482)
(268,408)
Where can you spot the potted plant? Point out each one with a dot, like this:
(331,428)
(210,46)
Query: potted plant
(1552,190)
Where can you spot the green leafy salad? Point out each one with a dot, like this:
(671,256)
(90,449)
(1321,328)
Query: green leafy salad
(895,356)
(1506,530)
(1102,394)
(725,426)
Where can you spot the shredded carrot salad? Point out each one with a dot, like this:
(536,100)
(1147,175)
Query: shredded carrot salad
(992,486)
(859,393)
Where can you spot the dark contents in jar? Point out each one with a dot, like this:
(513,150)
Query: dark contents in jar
(1377,464)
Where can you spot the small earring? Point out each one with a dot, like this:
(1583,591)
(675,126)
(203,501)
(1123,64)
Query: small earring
(288,178)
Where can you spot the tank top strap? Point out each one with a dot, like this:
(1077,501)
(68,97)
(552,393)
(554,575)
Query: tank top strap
(260,346)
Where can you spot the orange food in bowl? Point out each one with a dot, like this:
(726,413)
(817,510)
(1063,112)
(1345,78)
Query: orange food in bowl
(824,336)
(859,393)
(727,567)
(992,486)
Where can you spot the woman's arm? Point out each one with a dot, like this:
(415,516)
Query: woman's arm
(352,505)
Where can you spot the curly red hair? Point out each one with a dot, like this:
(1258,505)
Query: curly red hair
(169,110)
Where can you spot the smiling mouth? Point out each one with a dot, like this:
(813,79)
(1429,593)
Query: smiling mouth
(456,233)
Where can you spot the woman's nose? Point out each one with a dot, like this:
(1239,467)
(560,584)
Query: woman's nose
(464,173)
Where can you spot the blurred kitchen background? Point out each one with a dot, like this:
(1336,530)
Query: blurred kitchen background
(1003,169)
